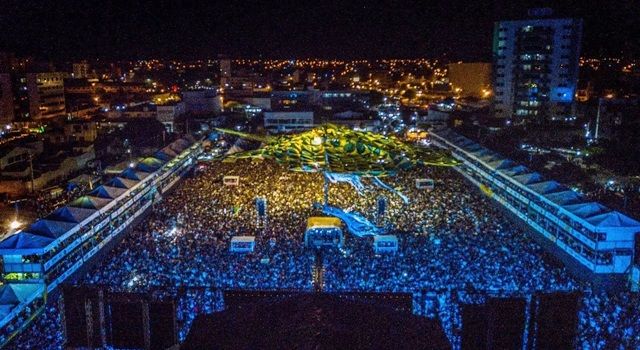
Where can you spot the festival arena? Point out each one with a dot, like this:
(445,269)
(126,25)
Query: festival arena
(453,247)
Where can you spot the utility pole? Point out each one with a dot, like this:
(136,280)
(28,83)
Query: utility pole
(595,136)
(33,190)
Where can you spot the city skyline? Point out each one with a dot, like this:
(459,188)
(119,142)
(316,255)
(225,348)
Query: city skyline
(328,29)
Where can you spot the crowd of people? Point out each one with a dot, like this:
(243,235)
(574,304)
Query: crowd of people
(450,239)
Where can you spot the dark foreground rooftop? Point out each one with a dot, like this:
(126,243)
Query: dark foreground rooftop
(314,321)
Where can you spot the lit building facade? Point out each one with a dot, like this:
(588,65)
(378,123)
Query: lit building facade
(536,68)
(286,121)
(81,70)
(46,95)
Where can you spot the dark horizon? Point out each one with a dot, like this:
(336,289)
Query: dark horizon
(458,29)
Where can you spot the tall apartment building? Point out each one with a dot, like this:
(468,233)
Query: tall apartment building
(536,67)
(46,95)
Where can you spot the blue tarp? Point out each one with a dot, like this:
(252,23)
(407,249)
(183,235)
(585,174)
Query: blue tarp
(353,180)
(357,224)
(379,183)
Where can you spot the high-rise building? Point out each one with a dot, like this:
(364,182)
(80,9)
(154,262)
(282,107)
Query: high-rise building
(6,99)
(81,70)
(46,95)
(225,71)
(536,67)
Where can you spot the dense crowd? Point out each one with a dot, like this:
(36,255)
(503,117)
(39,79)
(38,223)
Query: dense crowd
(450,239)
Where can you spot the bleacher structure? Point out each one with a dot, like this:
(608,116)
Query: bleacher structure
(39,258)
(599,239)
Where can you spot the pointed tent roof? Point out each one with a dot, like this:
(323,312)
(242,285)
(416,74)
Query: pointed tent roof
(516,170)
(132,174)
(472,148)
(149,164)
(71,214)
(588,209)
(16,293)
(189,138)
(8,296)
(501,164)
(108,192)
(89,202)
(164,156)
(613,219)
(84,179)
(528,178)
(564,197)
(26,243)
(179,145)
(183,142)
(545,187)
(121,182)
(50,228)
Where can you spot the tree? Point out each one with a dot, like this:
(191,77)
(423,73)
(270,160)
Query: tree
(410,94)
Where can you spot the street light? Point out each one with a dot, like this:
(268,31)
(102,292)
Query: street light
(600,99)
(14,225)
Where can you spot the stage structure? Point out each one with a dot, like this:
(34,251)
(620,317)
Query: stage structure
(344,155)
(323,231)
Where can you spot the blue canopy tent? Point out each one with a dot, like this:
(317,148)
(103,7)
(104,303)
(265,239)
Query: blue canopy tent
(165,154)
(585,210)
(178,147)
(121,182)
(501,164)
(149,165)
(89,202)
(546,187)
(107,192)
(24,243)
(564,197)
(13,294)
(71,214)
(613,219)
(529,178)
(50,228)
(516,170)
(132,174)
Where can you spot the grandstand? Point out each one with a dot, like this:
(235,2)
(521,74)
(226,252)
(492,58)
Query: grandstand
(601,240)
(446,254)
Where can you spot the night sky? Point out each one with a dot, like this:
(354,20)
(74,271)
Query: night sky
(459,29)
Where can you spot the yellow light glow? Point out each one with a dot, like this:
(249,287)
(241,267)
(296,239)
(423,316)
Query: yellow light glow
(15,224)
